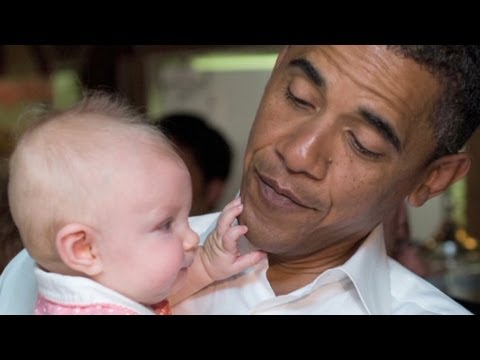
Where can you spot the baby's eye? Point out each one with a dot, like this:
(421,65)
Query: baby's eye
(168,225)
(165,225)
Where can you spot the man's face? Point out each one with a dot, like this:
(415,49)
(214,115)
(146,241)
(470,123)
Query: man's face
(340,137)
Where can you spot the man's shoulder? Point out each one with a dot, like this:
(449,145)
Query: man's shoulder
(414,295)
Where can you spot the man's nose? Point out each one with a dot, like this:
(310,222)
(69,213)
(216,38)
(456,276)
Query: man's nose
(308,149)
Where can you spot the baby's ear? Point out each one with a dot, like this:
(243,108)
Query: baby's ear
(78,249)
(440,175)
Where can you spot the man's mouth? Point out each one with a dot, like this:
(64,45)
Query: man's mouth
(280,195)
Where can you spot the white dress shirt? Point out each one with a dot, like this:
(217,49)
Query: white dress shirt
(368,283)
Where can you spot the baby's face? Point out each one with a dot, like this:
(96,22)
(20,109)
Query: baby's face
(148,244)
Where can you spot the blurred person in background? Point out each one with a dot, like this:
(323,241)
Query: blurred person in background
(207,154)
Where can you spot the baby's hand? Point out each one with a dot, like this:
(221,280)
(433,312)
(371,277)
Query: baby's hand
(220,254)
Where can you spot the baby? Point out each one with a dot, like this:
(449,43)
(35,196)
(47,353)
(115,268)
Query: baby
(101,200)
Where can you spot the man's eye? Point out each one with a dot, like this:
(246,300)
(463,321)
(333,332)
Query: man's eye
(297,101)
(362,150)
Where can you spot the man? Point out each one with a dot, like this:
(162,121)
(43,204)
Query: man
(206,153)
(342,135)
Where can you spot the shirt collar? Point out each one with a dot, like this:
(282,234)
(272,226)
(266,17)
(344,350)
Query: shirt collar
(80,291)
(367,269)
(369,272)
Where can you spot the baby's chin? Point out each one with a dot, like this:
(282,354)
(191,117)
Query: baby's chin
(179,281)
(167,290)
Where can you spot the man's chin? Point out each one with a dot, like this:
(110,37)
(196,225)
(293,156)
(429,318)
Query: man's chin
(264,241)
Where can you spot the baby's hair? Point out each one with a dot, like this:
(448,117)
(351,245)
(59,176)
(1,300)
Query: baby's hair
(64,161)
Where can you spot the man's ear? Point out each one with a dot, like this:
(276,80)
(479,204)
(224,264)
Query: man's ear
(441,174)
(78,249)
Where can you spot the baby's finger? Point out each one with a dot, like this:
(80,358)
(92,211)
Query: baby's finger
(228,217)
(247,260)
(233,203)
(231,237)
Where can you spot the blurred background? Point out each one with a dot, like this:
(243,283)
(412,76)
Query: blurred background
(223,84)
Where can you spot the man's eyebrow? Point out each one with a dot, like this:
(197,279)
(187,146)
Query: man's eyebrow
(309,70)
(382,126)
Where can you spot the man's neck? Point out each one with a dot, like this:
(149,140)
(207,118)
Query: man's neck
(287,275)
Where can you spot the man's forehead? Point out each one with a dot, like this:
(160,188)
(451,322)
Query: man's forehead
(406,87)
